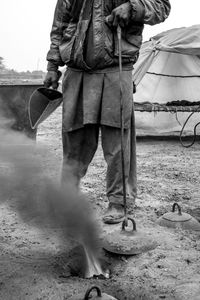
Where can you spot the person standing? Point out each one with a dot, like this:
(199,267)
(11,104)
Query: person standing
(84,38)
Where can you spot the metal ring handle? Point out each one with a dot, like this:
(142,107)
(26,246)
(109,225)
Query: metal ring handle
(178,206)
(125,224)
(87,294)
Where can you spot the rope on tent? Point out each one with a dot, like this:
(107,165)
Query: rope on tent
(176,115)
(195,128)
(173,76)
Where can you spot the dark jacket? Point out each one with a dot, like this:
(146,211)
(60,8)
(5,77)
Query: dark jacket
(82,39)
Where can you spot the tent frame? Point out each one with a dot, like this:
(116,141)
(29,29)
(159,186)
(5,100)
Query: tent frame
(155,107)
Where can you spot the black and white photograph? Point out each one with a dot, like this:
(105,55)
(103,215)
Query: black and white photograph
(99,150)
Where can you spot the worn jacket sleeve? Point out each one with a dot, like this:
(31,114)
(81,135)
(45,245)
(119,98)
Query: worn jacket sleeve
(150,11)
(60,22)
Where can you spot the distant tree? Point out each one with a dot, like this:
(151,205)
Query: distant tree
(2,66)
(11,74)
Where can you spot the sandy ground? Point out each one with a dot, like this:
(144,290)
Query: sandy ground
(34,266)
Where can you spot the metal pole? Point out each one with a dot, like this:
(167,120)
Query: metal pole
(119,36)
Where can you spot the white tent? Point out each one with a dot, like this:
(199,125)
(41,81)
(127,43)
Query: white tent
(168,69)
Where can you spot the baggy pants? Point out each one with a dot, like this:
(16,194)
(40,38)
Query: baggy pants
(79,147)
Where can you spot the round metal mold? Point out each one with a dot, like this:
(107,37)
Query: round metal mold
(128,242)
(177,218)
(88,296)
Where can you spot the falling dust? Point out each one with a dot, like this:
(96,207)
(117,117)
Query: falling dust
(42,202)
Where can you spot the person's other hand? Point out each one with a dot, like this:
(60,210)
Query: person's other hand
(120,15)
(52,78)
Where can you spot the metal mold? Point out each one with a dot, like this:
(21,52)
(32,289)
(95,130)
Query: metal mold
(178,218)
(87,296)
(14,107)
(126,242)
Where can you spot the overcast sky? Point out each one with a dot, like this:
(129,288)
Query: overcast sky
(25,26)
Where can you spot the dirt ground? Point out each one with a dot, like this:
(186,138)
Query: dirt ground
(34,266)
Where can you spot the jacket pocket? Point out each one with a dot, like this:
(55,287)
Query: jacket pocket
(66,47)
(130,42)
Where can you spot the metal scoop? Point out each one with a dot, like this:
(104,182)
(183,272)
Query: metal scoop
(42,103)
(100,295)
(175,219)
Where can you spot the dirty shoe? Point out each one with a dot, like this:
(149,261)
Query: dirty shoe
(114,214)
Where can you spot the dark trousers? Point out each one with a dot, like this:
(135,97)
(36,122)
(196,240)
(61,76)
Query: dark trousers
(79,147)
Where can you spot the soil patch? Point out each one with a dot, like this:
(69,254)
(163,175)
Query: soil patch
(34,266)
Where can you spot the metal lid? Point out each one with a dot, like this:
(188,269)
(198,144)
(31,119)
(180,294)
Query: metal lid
(100,295)
(178,219)
(176,216)
(128,242)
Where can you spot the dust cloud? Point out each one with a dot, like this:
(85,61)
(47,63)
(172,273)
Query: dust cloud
(39,200)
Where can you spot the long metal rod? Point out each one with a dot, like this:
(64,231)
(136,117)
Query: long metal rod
(119,36)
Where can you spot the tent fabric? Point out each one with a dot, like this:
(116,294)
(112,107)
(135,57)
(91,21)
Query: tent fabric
(171,77)
(185,40)
(168,69)
(165,123)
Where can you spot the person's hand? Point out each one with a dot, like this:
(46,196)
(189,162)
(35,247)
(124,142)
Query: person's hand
(120,15)
(52,78)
